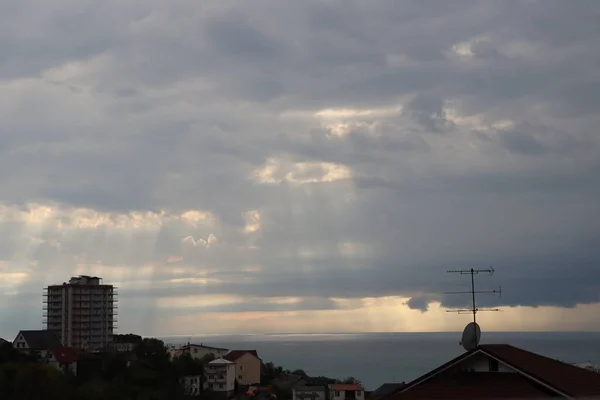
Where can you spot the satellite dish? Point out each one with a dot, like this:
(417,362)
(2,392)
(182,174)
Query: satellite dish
(471,336)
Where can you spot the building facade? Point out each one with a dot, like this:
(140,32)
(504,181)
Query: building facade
(199,351)
(191,385)
(220,376)
(247,366)
(63,359)
(346,391)
(309,393)
(82,313)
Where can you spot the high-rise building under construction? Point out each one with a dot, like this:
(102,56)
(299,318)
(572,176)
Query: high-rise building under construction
(82,313)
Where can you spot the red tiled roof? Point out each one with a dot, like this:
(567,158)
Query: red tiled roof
(64,354)
(235,354)
(345,386)
(566,378)
(561,377)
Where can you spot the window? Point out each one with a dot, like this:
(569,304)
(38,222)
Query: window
(195,350)
(220,386)
(241,367)
(337,393)
(239,377)
(493,365)
(210,386)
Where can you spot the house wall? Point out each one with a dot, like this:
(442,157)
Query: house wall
(247,369)
(191,384)
(70,367)
(19,343)
(481,363)
(81,313)
(122,347)
(308,395)
(220,377)
(342,395)
(199,352)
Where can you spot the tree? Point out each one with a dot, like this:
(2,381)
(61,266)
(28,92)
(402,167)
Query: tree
(153,352)
(185,364)
(351,380)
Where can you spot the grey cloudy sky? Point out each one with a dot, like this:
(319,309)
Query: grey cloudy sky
(223,159)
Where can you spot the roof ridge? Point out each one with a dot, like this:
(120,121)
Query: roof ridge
(535,355)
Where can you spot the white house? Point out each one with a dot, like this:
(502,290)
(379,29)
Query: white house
(63,359)
(220,376)
(41,341)
(199,351)
(191,385)
(346,391)
(309,393)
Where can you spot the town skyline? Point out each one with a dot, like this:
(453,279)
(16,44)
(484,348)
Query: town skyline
(312,166)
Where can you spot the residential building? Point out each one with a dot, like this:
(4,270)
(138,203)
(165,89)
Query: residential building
(248,366)
(39,340)
(346,391)
(191,385)
(502,371)
(82,313)
(220,376)
(174,351)
(309,393)
(124,343)
(199,351)
(63,359)
(287,382)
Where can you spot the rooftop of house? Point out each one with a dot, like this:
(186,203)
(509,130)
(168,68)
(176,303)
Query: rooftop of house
(310,389)
(40,340)
(64,354)
(345,386)
(235,354)
(534,373)
(284,381)
(203,346)
(220,361)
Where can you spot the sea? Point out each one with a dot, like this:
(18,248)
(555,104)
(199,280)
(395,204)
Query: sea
(377,358)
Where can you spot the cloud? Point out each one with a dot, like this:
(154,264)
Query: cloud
(342,154)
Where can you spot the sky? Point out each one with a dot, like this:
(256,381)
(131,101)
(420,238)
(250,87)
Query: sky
(308,166)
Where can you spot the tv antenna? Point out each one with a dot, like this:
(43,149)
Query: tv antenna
(472,332)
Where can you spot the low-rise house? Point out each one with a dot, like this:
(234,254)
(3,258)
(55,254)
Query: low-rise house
(309,393)
(199,351)
(502,371)
(287,382)
(124,343)
(191,385)
(41,341)
(220,376)
(63,359)
(346,391)
(248,366)
(174,351)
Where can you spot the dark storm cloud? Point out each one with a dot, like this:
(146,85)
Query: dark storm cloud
(319,116)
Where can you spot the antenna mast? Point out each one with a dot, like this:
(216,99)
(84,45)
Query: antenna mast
(472,292)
